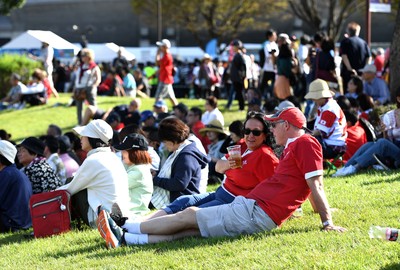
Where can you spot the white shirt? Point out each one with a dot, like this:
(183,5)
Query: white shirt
(269,46)
(105,179)
(207,117)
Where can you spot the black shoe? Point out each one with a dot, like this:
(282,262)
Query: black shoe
(116,215)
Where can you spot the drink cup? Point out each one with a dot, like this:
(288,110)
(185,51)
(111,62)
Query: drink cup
(235,153)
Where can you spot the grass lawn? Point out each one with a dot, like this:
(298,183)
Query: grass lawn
(368,198)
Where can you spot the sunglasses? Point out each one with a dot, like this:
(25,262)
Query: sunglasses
(255,132)
(273,124)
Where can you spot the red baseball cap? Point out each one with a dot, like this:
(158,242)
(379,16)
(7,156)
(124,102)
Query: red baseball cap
(293,115)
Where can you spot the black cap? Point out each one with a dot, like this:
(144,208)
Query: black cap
(182,108)
(237,43)
(33,144)
(133,141)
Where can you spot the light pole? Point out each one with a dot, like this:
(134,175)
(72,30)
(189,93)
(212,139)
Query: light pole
(159,20)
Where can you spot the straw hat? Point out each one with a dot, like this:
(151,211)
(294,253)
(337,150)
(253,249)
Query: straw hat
(319,89)
(214,125)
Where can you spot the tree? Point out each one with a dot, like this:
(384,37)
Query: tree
(394,59)
(335,13)
(7,5)
(208,19)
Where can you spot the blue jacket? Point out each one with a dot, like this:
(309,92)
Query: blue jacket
(15,192)
(185,173)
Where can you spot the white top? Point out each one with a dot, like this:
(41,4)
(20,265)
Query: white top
(333,123)
(204,172)
(269,46)
(105,179)
(88,77)
(207,117)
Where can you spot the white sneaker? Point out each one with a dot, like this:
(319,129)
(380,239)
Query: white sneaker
(378,167)
(345,171)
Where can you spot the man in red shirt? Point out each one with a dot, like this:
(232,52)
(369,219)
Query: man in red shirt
(297,176)
(165,78)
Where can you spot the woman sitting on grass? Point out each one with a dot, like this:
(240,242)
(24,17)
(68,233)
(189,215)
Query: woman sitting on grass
(101,180)
(137,159)
(385,150)
(259,162)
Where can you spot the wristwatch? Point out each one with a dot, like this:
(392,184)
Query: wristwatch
(327,223)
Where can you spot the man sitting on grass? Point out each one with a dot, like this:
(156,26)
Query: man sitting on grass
(271,202)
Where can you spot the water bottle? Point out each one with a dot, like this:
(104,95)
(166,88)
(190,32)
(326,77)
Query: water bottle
(384,233)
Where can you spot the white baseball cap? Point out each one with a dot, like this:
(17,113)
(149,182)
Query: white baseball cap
(165,42)
(96,129)
(8,150)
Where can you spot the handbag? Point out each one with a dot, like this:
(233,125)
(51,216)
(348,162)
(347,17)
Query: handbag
(80,94)
(50,212)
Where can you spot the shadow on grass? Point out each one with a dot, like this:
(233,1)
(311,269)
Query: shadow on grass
(389,177)
(192,243)
(392,266)
(17,237)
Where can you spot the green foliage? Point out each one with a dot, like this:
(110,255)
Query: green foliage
(14,63)
(7,5)
(359,201)
(207,19)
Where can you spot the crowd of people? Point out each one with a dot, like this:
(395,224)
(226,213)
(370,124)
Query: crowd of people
(129,161)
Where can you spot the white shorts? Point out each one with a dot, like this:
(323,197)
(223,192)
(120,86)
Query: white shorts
(242,216)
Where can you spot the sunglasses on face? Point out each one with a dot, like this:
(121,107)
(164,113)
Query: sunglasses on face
(273,124)
(255,132)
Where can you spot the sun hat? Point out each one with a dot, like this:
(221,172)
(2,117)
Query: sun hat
(165,42)
(214,125)
(8,150)
(33,144)
(293,115)
(133,141)
(369,68)
(96,129)
(319,89)
(207,56)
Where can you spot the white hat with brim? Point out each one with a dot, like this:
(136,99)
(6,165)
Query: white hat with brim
(319,89)
(96,129)
(164,42)
(8,150)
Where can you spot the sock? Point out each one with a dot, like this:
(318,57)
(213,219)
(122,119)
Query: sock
(132,227)
(136,239)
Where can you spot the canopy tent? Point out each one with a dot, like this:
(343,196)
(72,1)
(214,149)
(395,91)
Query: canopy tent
(106,52)
(31,40)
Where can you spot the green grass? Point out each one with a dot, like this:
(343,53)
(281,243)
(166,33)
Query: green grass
(368,198)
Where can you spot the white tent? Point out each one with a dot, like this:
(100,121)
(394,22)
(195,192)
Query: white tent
(32,39)
(106,52)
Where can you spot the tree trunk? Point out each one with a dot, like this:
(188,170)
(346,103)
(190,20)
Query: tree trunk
(395,58)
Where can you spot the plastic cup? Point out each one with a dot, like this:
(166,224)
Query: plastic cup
(235,153)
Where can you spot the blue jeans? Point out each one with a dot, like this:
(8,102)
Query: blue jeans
(220,196)
(382,148)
